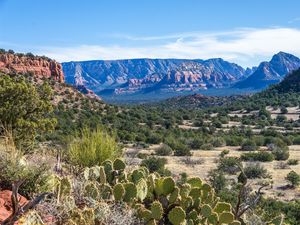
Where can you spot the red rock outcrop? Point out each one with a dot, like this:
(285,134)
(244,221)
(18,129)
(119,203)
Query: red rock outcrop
(38,66)
(6,204)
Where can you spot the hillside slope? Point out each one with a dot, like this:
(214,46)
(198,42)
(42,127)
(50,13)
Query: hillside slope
(291,83)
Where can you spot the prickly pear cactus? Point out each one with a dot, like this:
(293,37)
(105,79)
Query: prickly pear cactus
(91,191)
(119,164)
(177,216)
(102,175)
(195,182)
(130,192)
(168,185)
(226,217)
(157,200)
(63,188)
(119,192)
(142,189)
(156,210)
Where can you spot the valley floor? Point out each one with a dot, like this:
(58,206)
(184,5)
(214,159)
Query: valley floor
(202,161)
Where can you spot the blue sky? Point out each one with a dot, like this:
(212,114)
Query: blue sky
(245,32)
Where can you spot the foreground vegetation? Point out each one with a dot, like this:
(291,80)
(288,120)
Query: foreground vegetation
(80,178)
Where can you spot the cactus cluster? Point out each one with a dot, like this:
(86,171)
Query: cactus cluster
(156,199)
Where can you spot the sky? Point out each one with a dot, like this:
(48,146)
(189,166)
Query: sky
(241,31)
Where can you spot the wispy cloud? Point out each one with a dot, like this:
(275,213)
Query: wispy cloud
(245,46)
(294,20)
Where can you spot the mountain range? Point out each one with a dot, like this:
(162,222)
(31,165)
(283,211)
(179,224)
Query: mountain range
(134,75)
(175,75)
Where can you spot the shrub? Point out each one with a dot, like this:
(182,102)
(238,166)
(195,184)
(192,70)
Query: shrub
(281,165)
(192,162)
(142,155)
(290,209)
(93,147)
(196,143)
(293,178)
(25,109)
(296,140)
(164,150)
(249,145)
(283,110)
(234,140)
(229,165)
(182,150)
(154,139)
(224,152)
(217,180)
(14,167)
(255,171)
(218,142)
(257,156)
(281,118)
(207,146)
(198,123)
(293,162)
(155,164)
(279,152)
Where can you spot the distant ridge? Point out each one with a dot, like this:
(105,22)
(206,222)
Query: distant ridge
(140,76)
(271,72)
(134,75)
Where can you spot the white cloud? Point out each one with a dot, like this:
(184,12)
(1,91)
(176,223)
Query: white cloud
(244,46)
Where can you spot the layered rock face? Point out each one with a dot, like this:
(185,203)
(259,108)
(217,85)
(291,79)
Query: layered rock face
(132,75)
(146,75)
(38,66)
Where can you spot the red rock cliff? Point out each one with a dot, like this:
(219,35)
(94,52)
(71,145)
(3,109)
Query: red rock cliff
(38,66)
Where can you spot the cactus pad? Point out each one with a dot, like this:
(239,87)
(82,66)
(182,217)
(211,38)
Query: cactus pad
(156,210)
(118,192)
(168,185)
(221,207)
(119,164)
(206,210)
(177,216)
(142,189)
(195,182)
(130,192)
(226,217)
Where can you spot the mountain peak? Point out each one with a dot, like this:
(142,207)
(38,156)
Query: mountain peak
(283,56)
(271,72)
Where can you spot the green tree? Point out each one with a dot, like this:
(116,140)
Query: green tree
(25,109)
(293,178)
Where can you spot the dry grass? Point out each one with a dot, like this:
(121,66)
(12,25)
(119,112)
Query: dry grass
(293,113)
(209,159)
